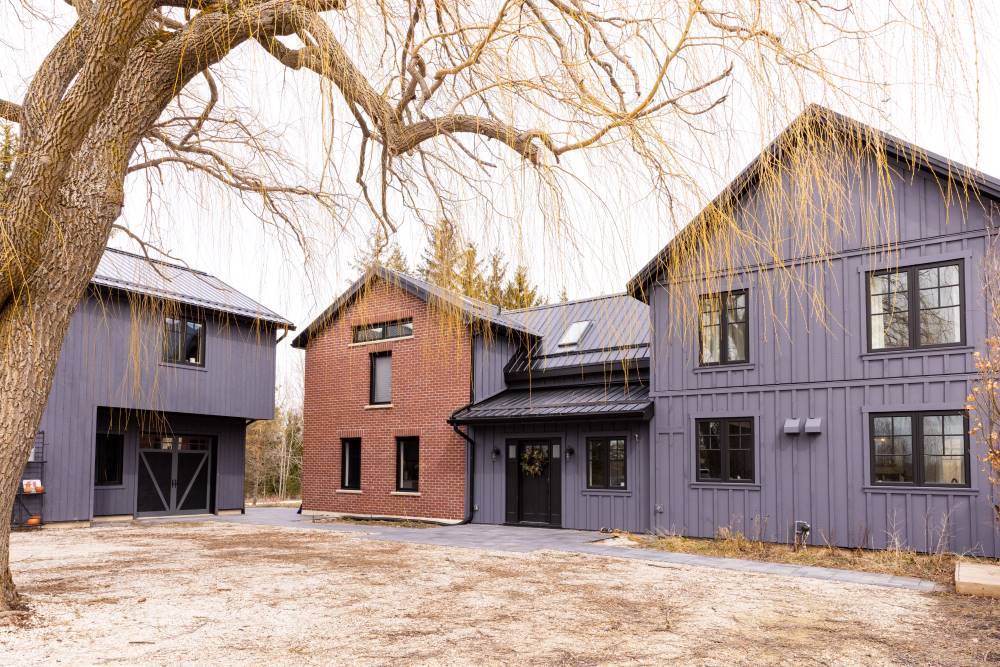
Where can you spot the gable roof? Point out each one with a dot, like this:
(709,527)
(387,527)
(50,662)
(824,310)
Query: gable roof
(472,310)
(141,275)
(619,332)
(896,148)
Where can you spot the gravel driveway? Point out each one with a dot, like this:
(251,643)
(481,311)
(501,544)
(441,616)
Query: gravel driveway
(194,592)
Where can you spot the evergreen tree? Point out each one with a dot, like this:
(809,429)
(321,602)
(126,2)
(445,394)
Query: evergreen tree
(443,256)
(380,252)
(563,296)
(396,260)
(470,273)
(519,292)
(493,289)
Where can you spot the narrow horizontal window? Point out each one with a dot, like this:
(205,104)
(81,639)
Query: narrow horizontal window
(920,449)
(725,450)
(367,333)
(606,463)
(915,307)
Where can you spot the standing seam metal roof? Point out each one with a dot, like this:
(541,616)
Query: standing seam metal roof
(134,273)
(565,402)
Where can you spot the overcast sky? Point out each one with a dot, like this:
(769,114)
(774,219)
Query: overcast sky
(607,242)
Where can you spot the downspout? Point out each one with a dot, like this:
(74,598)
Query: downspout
(470,469)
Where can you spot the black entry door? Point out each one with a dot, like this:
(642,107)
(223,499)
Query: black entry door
(174,475)
(534,482)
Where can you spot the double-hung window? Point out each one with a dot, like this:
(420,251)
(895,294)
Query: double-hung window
(350,464)
(184,341)
(915,307)
(407,464)
(722,328)
(380,385)
(725,449)
(920,448)
(606,459)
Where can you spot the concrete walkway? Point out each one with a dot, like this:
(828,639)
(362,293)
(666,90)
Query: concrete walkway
(525,540)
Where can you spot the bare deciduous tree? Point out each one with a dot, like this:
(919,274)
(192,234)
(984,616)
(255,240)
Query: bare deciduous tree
(439,99)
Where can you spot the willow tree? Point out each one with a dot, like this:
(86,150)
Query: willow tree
(438,101)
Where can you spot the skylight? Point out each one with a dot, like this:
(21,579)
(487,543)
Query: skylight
(574,333)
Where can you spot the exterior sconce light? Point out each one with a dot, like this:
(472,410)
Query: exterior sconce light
(570,452)
(495,453)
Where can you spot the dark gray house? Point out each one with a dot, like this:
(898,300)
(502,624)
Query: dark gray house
(769,413)
(560,421)
(161,371)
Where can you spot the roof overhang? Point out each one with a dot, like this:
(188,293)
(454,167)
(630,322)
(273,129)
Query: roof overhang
(559,404)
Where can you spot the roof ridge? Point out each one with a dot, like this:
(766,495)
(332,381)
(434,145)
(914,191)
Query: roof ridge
(564,303)
(153,260)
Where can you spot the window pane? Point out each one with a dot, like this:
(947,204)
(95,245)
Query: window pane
(737,307)
(882,426)
(193,333)
(709,452)
(944,469)
(173,335)
(409,464)
(736,342)
(616,464)
(940,326)
(710,316)
(740,450)
(597,456)
(156,442)
(894,469)
(381,381)
(710,345)
(902,425)
(193,443)
(889,303)
(351,464)
(948,275)
(927,278)
(892,445)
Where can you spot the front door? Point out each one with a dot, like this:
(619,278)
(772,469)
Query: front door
(174,475)
(534,482)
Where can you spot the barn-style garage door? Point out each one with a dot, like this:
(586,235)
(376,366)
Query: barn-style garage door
(174,475)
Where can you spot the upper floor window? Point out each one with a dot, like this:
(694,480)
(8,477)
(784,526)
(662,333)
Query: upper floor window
(916,306)
(920,449)
(380,385)
(606,463)
(723,331)
(725,450)
(366,333)
(184,341)
(350,464)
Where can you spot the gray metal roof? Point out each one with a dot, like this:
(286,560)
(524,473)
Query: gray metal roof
(900,149)
(618,333)
(471,309)
(134,273)
(563,403)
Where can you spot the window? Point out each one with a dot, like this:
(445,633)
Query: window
(184,341)
(725,450)
(723,331)
(606,463)
(407,464)
(916,306)
(920,449)
(366,333)
(380,388)
(350,463)
(108,459)
(574,333)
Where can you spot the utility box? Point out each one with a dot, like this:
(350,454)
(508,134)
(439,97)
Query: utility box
(793,426)
(814,425)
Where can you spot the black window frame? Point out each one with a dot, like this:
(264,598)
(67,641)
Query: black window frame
(606,439)
(917,448)
(185,319)
(120,481)
(723,298)
(913,305)
(401,441)
(724,476)
(371,377)
(359,328)
(346,443)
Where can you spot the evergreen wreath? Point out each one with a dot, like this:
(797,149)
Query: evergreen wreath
(533,461)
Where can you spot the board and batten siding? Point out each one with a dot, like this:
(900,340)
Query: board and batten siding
(810,364)
(582,508)
(489,358)
(112,359)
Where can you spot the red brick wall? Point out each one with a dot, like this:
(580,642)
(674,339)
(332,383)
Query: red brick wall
(431,378)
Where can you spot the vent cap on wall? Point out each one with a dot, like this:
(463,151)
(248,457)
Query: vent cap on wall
(814,425)
(793,426)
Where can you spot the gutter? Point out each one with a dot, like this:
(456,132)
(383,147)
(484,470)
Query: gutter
(470,465)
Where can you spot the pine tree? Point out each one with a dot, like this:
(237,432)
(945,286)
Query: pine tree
(470,273)
(563,296)
(396,260)
(519,292)
(493,289)
(380,252)
(442,258)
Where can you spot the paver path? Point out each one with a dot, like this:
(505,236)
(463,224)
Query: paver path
(523,539)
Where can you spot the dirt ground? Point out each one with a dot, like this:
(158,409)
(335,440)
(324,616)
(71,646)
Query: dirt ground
(177,593)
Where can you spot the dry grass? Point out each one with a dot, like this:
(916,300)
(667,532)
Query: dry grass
(169,592)
(391,523)
(939,567)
